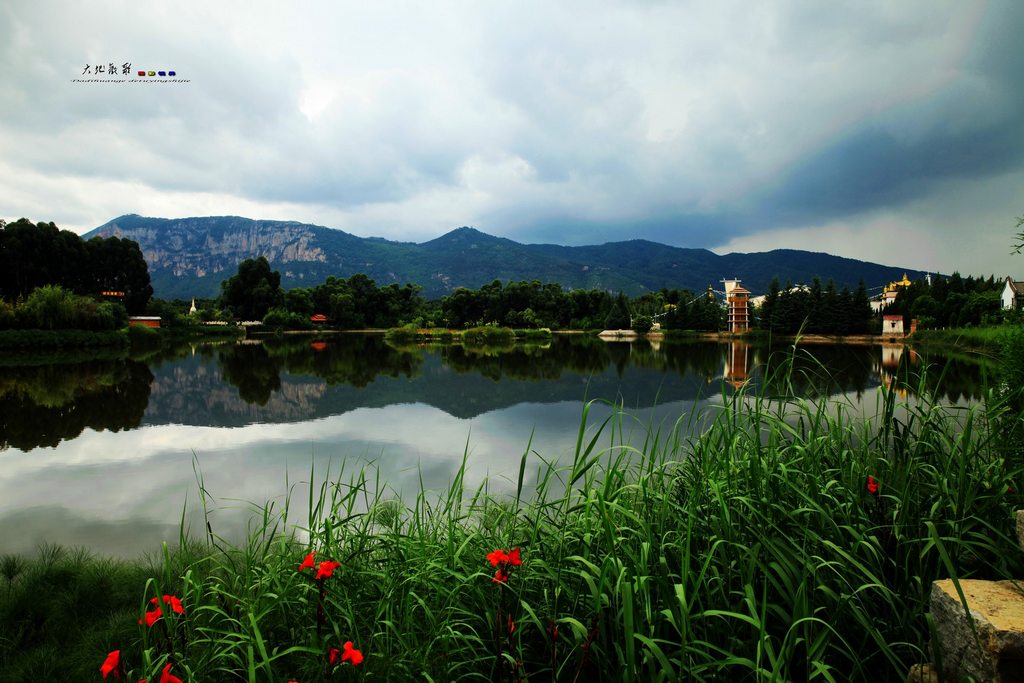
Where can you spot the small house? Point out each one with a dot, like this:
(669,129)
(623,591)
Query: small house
(892,325)
(144,320)
(1013,294)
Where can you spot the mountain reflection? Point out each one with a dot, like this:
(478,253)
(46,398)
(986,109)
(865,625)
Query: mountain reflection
(293,379)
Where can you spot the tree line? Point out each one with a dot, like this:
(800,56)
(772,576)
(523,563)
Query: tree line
(53,279)
(816,310)
(33,255)
(952,302)
(254,293)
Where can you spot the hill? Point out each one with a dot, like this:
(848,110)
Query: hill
(191,256)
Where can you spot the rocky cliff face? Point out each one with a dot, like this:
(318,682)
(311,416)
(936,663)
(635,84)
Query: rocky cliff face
(188,248)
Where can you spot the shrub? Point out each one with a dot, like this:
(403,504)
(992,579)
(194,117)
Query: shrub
(402,335)
(141,336)
(488,336)
(642,324)
(7,316)
(282,319)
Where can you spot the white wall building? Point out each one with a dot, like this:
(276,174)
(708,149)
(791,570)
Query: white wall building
(1013,294)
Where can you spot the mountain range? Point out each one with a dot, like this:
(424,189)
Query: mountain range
(190,257)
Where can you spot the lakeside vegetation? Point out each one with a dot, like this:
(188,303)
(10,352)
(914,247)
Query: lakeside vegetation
(487,335)
(789,540)
(33,255)
(53,280)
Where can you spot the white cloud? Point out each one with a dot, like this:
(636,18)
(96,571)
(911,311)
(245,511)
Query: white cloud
(406,120)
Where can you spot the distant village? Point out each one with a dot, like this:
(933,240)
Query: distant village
(900,307)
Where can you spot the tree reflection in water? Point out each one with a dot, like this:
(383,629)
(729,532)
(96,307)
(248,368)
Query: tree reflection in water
(295,378)
(43,405)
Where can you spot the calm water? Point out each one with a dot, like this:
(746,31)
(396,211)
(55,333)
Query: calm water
(103,452)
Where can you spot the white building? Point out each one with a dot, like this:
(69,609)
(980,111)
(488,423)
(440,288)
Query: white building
(892,325)
(1013,294)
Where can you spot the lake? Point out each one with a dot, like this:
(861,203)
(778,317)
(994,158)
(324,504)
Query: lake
(108,452)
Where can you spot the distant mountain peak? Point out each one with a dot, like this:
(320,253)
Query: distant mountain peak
(464,235)
(190,257)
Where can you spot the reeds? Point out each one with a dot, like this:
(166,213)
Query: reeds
(753,549)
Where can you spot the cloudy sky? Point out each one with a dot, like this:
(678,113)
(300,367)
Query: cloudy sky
(881,130)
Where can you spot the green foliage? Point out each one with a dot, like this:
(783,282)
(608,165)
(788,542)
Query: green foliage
(173,314)
(30,340)
(356,303)
(118,265)
(283,319)
(51,307)
(35,255)
(8,318)
(816,310)
(522,305)
(533,334)
(618,317)
(752,550)
(141,337)
(488,336)
(1019,244)
(61,607)
(684,310)
(44,401)
(953,302)
(642,324)
(406,334)
(253,291)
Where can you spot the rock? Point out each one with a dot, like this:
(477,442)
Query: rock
(923,673)
(993,650)
(1020,528)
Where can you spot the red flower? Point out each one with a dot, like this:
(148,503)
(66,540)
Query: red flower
(307,563)
(168,677)
(152,616)
(112,664)
(872,485)
(553,629)
(496,557)
(326,568)
(333,655)
(173,601)
(352,655)
(511,625)
(503,561)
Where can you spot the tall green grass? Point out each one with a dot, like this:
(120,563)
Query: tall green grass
(750,550)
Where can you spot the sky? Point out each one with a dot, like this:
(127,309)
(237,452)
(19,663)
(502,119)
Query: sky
(886,131)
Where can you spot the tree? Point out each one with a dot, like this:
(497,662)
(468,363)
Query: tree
(618,317)
(118,265)
(253,291)
(769,309)
(1019,246)
(642,324)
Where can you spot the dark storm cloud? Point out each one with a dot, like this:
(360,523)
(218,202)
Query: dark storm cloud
(971,129)
(578,122)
